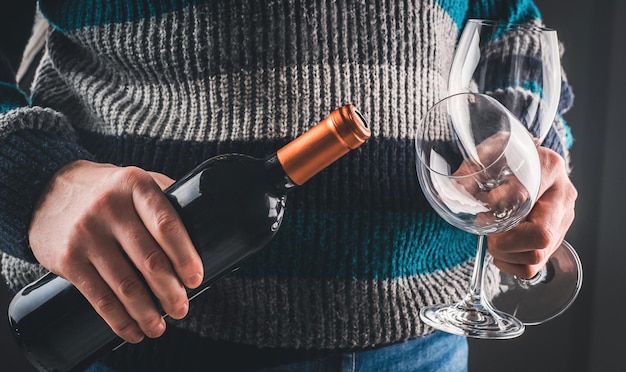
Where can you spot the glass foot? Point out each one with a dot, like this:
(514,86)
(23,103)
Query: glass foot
(472,320)
(541,298)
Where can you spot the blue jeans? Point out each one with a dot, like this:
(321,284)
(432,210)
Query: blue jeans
(438,352)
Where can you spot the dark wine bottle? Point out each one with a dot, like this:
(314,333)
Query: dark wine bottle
(232,206)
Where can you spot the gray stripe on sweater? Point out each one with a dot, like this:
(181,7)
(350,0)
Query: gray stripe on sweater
(305,313)
(392,85)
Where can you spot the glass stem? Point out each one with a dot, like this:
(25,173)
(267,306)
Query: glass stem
(476,284)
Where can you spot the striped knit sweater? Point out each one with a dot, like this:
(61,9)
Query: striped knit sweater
(165,84)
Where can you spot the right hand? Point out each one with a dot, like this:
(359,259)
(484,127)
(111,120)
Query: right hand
(95,223)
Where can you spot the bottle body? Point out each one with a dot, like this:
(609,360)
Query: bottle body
(231,205)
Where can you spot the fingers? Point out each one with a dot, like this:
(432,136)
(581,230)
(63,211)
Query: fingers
(523,250)
(107,305)
(165,226)
(129,291)
(520,270)
(156,241)
(115,291)
(155,267)
(111,283)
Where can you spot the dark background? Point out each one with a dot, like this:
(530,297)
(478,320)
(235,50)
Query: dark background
(589,336)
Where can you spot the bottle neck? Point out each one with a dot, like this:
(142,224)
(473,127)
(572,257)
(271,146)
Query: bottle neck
(343,130)
(277,175)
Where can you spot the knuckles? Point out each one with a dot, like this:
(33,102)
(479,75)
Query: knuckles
(536,257)
(131,287)
(167,223)
(157,262)
(107,304)
(134,177)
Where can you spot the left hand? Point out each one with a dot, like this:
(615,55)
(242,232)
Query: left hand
(525,249)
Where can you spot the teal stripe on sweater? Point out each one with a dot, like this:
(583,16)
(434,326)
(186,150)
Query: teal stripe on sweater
(335,245)
(518,11)
(569,136)
(514,11)
(456,9)
(74,14)
(11,97)
(67,15)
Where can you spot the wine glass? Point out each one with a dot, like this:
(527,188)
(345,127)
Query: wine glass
(479,169)
(519,65)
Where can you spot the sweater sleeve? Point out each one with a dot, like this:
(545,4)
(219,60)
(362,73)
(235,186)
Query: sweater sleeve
(34,143)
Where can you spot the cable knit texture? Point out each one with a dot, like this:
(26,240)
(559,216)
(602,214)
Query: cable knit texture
(165,84)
